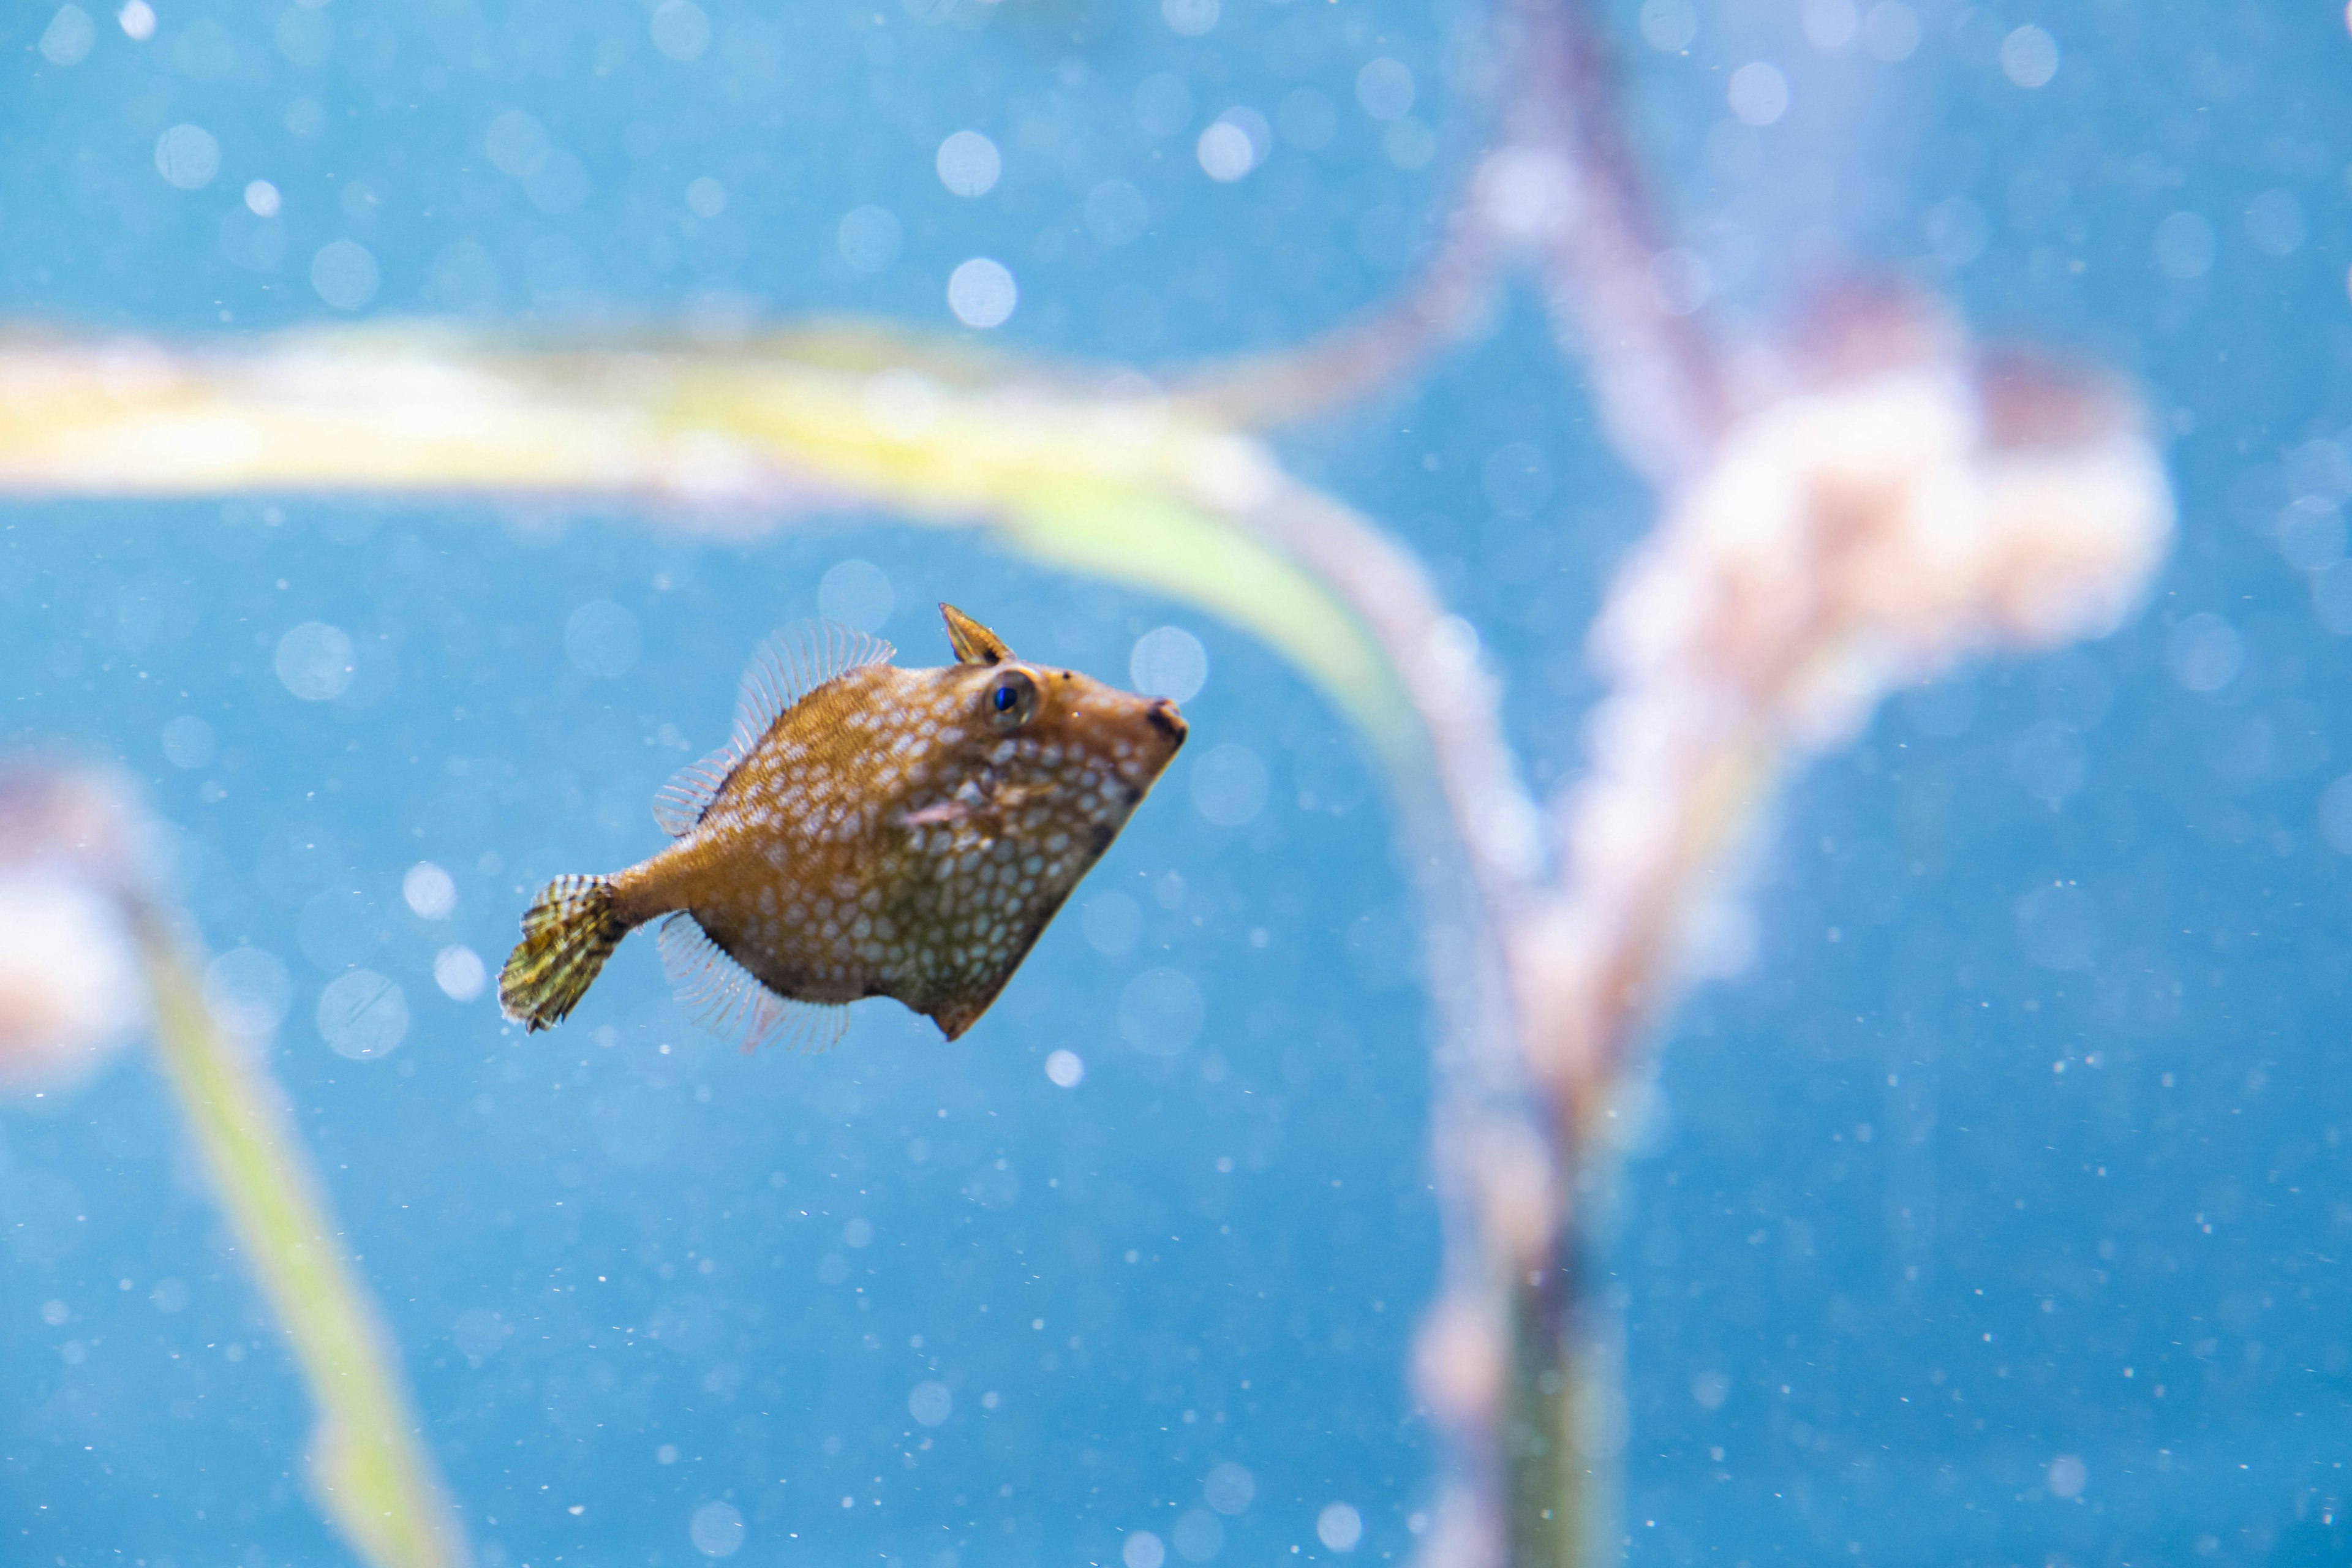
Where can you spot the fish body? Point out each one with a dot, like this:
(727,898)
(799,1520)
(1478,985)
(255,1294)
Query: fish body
(872,831)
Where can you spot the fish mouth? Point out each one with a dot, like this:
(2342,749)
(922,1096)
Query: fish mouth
(1163,717)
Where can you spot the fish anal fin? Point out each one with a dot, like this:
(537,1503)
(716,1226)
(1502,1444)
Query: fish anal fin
(680,803)
(973,643)
(793,663)
(724,997)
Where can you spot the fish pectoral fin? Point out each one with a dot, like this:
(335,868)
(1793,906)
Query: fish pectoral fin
(681,802)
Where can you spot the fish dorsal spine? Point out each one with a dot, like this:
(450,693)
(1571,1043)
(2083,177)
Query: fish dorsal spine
(789,665)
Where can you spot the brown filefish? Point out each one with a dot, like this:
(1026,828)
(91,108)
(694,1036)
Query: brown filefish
(870,831)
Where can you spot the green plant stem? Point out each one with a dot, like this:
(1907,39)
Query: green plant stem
(372,1475)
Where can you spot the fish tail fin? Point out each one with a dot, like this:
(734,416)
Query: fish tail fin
(568,932)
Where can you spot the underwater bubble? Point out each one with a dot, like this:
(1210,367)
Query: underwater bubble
(1160,1012)
(428,891)
(2028,56)
(1190,19)
(1758,93)
(718,1528)
(1111,922)
(1409,143)
(1067,1069)
(1228,1488)
(362,1016)
(1170,662)
(1830,25)
(1669,26)
(1956,230)
(706,197)
(856,594)
(2074,689)
(680,29)
(305,37)
(982,292)
(2067,1475)
(460,972)
(517,143)
(1143,1550)
(170,1295)
(2274,222)
(2058,927)
(859,1233)
(2335,815)
(1117,213)
(868,238)
(137,20)
(478,1333)
(1225,152)
(1339,1527)
(1710,1389)
(1164,104)
(1385,89)
(1890,31)
(344,274)
(1680,280)
(601,638)
(2050,760)
(2204,653)
(969,163)
(1229,786)
(315,662)
(188,742)
(2311,533)
(187,157)
(262,199)
(68,36)
(930,1403)
(247,991)
(1199,1535)
(2184,247)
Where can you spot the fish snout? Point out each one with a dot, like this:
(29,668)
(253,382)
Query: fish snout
(1164,718)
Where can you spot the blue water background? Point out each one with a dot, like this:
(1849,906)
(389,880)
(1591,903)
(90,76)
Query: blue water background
(2038,1076)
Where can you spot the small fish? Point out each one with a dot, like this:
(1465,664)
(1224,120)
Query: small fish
(870,831)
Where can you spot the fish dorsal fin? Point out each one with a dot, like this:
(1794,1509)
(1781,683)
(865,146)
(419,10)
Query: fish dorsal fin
(788,666)
(973,643)
(793,663)
(723,997)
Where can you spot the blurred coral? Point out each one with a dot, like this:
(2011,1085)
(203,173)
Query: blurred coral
(71,991)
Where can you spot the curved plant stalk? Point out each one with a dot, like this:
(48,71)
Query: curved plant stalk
(368,1467)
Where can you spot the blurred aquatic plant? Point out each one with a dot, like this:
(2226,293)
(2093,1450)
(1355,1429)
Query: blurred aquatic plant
(92,951)
(1863,502)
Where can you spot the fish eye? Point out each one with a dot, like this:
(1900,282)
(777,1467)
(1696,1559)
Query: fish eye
(1012,697)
